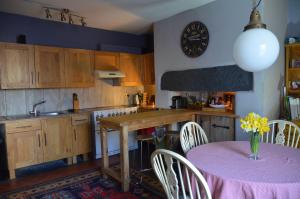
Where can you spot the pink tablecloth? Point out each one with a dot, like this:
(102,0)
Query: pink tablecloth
(231,174)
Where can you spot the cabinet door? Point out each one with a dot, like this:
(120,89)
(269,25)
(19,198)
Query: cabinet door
(130,65)
(24,149)
(49,65)
(204,122)
(148,69)
(82,134)
(16,66)
(79,68)
(57,138)
(107,60)
(221,129)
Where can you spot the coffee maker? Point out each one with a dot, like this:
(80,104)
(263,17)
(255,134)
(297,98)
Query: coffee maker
(179,102)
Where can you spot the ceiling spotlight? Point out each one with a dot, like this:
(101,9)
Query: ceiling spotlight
(83,23)
(48,14)
(70,20)
(62,16)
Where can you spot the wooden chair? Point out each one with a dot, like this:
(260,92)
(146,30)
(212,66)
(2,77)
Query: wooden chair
(282,132)
(187,182)
(192,135)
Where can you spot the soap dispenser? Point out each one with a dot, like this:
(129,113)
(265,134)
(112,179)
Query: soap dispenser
(75,102)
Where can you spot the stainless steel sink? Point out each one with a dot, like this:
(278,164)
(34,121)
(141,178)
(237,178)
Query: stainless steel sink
(50,113)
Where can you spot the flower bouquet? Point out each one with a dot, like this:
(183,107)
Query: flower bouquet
(256,126)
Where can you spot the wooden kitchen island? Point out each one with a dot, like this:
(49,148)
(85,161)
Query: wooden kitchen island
(133,122)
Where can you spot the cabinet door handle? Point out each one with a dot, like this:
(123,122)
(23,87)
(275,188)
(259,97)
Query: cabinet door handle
(32,78)
(20,127)
(75,136)
(220,126)
(45,139)
(39,137)
(38,77)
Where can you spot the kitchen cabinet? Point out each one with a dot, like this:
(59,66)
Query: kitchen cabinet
(147,69)
(24,144)
(218,128)
(107,60)
(49,67)
(16,66)
(130,65)
(82,135)
(79,68)
(57,138)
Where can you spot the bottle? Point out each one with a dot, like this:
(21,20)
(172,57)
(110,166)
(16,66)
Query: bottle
(75,102)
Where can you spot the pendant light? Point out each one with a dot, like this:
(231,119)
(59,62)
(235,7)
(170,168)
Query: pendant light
(256,48)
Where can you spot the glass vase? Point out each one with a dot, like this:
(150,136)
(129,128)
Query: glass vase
(254,145)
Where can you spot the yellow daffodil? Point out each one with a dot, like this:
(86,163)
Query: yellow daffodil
(255,123)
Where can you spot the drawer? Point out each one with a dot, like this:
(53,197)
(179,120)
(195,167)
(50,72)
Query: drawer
(80,119)
(22,125)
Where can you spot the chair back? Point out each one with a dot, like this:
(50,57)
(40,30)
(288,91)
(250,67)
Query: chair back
(192,135)
(179,177)
(282,132)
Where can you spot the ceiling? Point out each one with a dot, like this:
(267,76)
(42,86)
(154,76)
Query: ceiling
(132,16)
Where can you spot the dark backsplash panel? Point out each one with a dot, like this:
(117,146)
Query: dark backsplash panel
(221,78)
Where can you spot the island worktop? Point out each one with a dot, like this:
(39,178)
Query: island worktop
(136,121)
(148,119)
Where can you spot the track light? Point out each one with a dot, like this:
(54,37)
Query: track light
(63,14)
(70,19)
(48,14)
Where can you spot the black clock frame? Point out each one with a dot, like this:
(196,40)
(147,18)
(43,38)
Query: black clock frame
(194,39)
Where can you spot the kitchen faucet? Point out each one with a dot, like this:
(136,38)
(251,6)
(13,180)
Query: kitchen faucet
(34,112)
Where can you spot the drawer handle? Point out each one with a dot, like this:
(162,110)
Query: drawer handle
(20,127)
(81,120)
(220,126)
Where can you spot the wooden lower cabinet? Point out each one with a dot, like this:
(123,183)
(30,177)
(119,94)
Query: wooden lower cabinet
(24,144)
(218,128)
(57,138)
(82,135)
(35,141)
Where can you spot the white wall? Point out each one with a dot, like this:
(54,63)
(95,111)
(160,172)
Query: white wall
(293,18)
(225,20)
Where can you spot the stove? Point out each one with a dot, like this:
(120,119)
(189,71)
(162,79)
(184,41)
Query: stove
(113,136)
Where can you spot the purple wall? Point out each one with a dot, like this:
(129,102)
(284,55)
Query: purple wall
(44,32)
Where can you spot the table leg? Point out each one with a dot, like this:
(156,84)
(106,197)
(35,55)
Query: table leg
(104,150)
(194,118)
(124,159)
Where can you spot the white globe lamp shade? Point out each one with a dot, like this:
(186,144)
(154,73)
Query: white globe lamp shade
(255,49)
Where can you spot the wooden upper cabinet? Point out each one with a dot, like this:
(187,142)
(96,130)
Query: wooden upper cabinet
(16,66)
(147,72)
(49,66)
(79,68)
(107,60)
(130,65)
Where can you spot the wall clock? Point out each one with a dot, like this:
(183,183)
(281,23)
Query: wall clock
(194,39)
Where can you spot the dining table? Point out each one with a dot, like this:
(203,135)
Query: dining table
(230,173)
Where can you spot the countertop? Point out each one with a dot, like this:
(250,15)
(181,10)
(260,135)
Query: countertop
(4,119)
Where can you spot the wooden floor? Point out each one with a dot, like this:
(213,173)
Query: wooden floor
(51,175)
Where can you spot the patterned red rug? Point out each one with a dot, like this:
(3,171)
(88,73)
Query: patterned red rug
(88,185)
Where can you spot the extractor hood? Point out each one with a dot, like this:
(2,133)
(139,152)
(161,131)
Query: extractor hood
(107,74)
